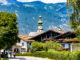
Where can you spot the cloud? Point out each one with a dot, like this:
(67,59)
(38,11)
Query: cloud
(26,5)
(52,27)
(65,25)
(53,1)
(27,0)
(45,1)
(4,2)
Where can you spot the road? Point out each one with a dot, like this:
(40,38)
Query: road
(28,58)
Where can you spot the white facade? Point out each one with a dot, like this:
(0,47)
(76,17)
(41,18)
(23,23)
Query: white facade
(20,47)
(24,46)
(75,47)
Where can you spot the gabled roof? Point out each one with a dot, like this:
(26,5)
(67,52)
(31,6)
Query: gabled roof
(56,31)
(24,37)
(65,34)
(34,33)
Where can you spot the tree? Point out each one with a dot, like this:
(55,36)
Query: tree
(37,46)
(52,45)
(8,30)
(74,5)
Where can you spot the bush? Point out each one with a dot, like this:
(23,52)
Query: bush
(57,55)
(36,54)
(40,54)
(63,55)
(4,59)
(37,46)
(52,45)
(25,54)
(51,50)
(77,54)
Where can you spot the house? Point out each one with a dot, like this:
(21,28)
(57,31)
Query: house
(21,46)
(66,38)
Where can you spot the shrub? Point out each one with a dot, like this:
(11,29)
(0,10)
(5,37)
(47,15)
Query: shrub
(37,46)
(52,45)
(25,54)
(40,54)
(77,54)
(4,59)
(57,55)
(51,50)
(63,55)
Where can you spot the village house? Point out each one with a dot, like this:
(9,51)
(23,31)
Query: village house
(66,38)
(22,45)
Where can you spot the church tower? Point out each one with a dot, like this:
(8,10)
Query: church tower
(40,24)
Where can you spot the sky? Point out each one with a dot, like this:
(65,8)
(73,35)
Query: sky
(45,1)
(4,2)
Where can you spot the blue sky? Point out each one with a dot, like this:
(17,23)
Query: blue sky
(45,1)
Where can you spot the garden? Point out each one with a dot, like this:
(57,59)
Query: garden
(51,50)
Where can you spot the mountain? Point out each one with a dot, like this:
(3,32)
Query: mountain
(54,15)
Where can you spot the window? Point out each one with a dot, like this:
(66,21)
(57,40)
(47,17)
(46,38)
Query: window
(23,50)
(63,45)
(50,37)
(66,45)
(22,44)
(67,37)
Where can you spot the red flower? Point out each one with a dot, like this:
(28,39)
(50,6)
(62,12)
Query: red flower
(65,48)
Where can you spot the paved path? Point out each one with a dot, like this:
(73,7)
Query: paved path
(28,58)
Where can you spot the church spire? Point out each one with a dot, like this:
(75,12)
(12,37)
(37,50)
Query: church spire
(40,20)
(40,24)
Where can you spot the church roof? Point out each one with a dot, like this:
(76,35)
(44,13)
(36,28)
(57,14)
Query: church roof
(40,21)
(34,33)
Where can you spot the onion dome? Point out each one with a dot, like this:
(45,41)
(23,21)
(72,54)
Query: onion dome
(40,20)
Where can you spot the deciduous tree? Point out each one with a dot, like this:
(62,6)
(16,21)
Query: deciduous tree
(8,30)
(74,5)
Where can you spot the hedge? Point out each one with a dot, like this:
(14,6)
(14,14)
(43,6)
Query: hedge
(57,55)
(39,46)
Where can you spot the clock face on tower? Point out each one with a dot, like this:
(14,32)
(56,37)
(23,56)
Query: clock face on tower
(39,27)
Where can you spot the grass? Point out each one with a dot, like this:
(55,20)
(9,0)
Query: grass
(4,59)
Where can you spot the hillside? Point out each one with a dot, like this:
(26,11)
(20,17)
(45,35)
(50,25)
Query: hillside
(54,15)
